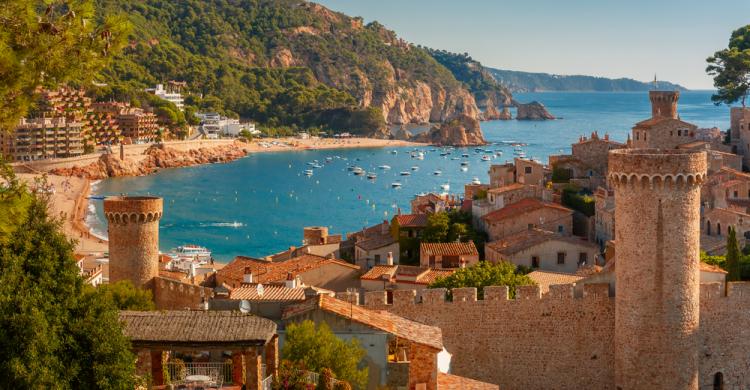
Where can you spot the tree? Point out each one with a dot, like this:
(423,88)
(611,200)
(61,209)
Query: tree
(123,295)
(54,333)
(733,256)
(437,228)
(317,348)
(45,43)
(485,274)
(731,69)
(246,135)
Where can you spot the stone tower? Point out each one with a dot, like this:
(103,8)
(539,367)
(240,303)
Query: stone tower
(657,209)
(664,103)
(133,238)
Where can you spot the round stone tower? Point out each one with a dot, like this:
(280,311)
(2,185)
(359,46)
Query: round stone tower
(657,214)
(133,238)
(664,103)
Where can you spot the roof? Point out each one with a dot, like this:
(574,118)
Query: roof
(508,188)
(455,382)
(191,327)
(521,207)
(545,279)
(419,333)
(376,242)
(529,238)
(651,122)
(705,267)
(405,274)
(266,271)
(266,293)
(448,248)
(412,220)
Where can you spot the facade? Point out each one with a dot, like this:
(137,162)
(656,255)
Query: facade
(374,245)
(604,216)
(43,138)
(543,250)
(171,92)
(137,125)
(739,132)
(401,277)
(523,171)
(587,165)
(527,214)
(664,130)
(447,255)
(408,229)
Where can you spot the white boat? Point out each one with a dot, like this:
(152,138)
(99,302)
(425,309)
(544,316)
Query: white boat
(372,175)
(420,156)
(394,151)
(464,169)
(329,159)
(437,172)
(317,166)
(405,173)
(465,155)
(486,158)
(386,167)
(476,181)
(415,168)
(308,172)
(194,253)
(445,186)
(358,171)
(455,158)
(464,163)
(396,184)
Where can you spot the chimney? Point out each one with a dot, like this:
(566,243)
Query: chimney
(248,275)
(384,227)
(291,281)
(389,258)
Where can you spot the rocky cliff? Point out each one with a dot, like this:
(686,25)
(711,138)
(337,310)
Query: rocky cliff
(460,131)
(154,158)
(533,111)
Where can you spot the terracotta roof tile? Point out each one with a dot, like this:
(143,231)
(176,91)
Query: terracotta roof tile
(412,220)
(545,279)
(705,267)
(267,272)
(448,248)
(405,274)
(410,330)
(508,188)
(529,238)
(267,293)
(521,207)
(455,382)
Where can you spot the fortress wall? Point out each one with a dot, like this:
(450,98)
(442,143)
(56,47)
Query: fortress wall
(173,295)
(555,342)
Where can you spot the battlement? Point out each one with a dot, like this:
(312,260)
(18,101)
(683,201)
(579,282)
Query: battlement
(176,295)
(438,296)
(657,162)
(133,209)
(736,291)
(664,103)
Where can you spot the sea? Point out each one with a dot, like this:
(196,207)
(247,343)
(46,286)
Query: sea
(259,204)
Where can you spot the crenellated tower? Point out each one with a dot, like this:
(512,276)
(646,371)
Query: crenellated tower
(133,238)
(664,103)
(657,209)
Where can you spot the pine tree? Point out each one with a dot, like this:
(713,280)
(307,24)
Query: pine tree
(733,256)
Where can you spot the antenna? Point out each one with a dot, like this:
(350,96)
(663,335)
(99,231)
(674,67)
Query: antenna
(656,83)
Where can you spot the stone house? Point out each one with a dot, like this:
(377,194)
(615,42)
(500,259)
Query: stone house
(543,250)
(447,254)
(371,246)
(432,203)
(545,279)
(739,130)
(717,221)
(717,159)
(587,164)
(265,300)
(500,197)
(408,229)
(502,174)
(522,171)
(311,270)
(664,130)
(526,214)
(604,216)
(400,277)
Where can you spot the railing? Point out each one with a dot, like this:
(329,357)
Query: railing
(218,372)
(266,384)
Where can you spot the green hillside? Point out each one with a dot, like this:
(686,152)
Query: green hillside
(539,82)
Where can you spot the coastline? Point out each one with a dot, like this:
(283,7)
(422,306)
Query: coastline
(70,199)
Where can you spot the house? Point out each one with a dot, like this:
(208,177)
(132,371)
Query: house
(544,250)
(433,203)
(400,277)
(408,228)
(587,163)
(400,353)
(544,279)
(521,171)
(526,214)
(265,300)
(328,273)
(448,254)
(604,216)
(372,246)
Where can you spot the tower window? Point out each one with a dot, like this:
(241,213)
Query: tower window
(718,381)
(560,257)
(534,261)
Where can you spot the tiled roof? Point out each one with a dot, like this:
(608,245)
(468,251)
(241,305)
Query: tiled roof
(455,382)
(448,248)
(267,272)
(174,275)
(508,188)
(529,238)
(545,279)
(185,327)
(412,220)
(406,274)
(376,242)
(660,120)
(521,207)
(268,292)
(705,267)
(410,330)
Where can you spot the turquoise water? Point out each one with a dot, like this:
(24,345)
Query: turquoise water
(258,205)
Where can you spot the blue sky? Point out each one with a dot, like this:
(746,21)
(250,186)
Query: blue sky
(610,38)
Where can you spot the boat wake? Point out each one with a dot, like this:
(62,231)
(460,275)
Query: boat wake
(234,224)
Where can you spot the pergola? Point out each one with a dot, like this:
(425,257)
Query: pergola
(249,337)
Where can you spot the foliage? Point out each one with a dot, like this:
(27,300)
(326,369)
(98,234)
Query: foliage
(325,381)
(245,135)
(730,68)
(485,274)
(44,43)
(733,256)
(478,80)
(292,376)
(317,348)
(480,194)
(721,262)
(538,82)
(14,202)
(124,295)
(437,228)
(54,333)
(453,226)
(342,386)
(571,197)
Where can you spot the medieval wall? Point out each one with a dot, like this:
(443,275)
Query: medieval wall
(173,295)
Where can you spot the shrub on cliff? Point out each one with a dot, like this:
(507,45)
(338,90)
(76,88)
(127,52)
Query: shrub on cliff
(485,274)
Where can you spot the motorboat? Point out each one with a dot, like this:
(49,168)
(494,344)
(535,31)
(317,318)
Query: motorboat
(405,173)
(194,253)
(476,181)
(396,184)
(465,155)
(415,168)
(437,172)
(308,172)
(445,186)
(358,171)
(464,163)
(372,175)
(385,167)
(486,158)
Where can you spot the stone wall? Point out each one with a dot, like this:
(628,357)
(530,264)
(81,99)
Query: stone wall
(173,295)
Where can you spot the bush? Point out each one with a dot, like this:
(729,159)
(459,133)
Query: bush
(325,381)
(571,197)
(342,386)
(560,175)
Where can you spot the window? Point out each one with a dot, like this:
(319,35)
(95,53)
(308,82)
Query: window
(718,381)
(560,257)
(583,258)
(531,226)
(637,136)
(534,261)
(708,228)
(718,228)
(526,169)
(679,133)
(377,259)
(560,228)
(671,133)
(736,194)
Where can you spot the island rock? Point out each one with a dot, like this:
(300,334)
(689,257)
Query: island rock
(460,131)
(533,111)
(505,115)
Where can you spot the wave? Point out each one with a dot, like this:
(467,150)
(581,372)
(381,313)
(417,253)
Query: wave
(234,224)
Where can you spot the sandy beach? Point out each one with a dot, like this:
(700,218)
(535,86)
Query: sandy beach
(70,197)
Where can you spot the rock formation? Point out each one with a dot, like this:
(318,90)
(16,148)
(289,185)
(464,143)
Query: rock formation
(505,115)
(154,158)
(491,113)
(460,131)
(402,134)
(533,111)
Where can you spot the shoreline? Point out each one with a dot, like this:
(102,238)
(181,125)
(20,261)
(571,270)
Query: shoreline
(70,200)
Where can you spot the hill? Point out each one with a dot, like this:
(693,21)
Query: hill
(538,82)
(284,63)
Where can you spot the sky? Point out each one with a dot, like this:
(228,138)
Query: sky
(610,38)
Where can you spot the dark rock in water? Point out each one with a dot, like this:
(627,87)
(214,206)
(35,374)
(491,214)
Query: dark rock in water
(460,131)
(533,111)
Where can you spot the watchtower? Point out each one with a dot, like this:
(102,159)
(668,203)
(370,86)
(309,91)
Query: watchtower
(133,238)
(657,214)
(664,103)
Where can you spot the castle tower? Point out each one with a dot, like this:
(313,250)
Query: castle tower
(657,203)
(133,238)
(664,103)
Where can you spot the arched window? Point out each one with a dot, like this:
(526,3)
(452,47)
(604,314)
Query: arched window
(718,228)
(718,381)
(708,227)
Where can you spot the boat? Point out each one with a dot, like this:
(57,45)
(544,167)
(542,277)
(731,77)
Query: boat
(476,181)
(465,155)
(437,172)
(386,167)
(317,166)
(445,186)
(464,169)
(358,171)
(478,150)
(486,158)
(394,151)
(455,158)
(444,153)
(351,168)
(415,168)
(372,175)
(498,153)
(329,159)
(192,253)
(405,173)
(420,156)
(396,184)
(308,172)
(464,163)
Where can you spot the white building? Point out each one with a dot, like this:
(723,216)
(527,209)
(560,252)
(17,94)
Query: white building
(214,125)
(171,93)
